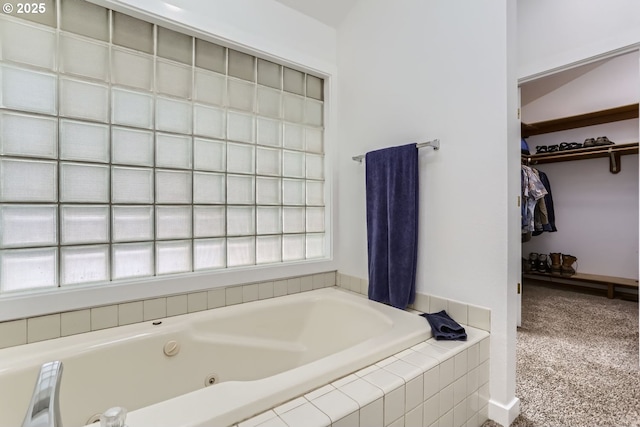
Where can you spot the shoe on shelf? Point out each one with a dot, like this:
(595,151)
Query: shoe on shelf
(543,263)
(603,140)
(541,149)
(552,148)
(589,142)
(566,269)
(564,146)
(555,262)
(533,261)
(574,145)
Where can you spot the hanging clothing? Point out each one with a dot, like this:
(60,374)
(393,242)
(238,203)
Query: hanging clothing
(548,201)
(537,208)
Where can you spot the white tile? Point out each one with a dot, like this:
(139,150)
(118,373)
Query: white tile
(372,415)
(104,317)
(431,410)
(319,392)
(318,281)
(414,393)
(293,285)
(414,417)
(216,298)
(361,391)
(75,322)
(460,365)
(177,305)
(279,288)
(473,421)
(258,419)
(131,312)
(472,381)
(273,422)
(483,414)
(288,406)
(421,303)
(473,356)
(447,369)
(234,295)
(394,405)
(483,372)
(420,360)
(306,283)
(197,301)
(155,308)
(435,351)
(250,292)
(431,382)
(387,361)
(265,290)
(43,328)
(484,350)
(364,286)
(459,390)
(345,380)
(404,370)
(366,371)
(460,414)
(330,279)
(306,415)
(473,404)
(458,312)
(437,304)
(446,399)
(483,395)
(13,333)
(446,420)
(351,420)
(336,405)
(480,318)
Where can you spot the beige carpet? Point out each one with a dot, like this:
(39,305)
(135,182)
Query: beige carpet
(577,360)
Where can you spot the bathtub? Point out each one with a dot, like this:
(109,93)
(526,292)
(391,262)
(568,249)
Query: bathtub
(211,368)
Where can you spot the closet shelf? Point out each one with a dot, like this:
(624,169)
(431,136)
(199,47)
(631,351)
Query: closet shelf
(613,152)
(596,118)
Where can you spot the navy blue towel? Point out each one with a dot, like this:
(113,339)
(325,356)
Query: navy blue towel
(392,224)
(444,327)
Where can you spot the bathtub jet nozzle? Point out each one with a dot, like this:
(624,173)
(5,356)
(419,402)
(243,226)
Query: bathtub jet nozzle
(44,409)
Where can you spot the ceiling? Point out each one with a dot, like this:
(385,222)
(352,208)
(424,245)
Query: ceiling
(330,12)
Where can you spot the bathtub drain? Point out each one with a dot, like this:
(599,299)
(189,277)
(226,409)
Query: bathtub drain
(93,419)
(210,379)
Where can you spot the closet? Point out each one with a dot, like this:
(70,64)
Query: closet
(595,189)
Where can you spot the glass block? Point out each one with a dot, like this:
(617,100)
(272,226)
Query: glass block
(315,220)
(313,140)
(241,251)
(84,57)
(173,187)
(240,189)
(241,220)
(131,185)
(315,88)
(84,264)
(82,17)
(269,161)
(46,18)
(28,225)
(293,81)
(315,166)
(269,102)
(293,164)
(269,132)
(173,79)
(132,223)
(241,65)
(84,183)
(173,257)
(84,100)
(293,192)
(131,260)
(84,224)
(31,136)
(240,127)
(208,188)
(132,69)
(211,56)
(84,141)
(293,136)
(209,254)
(240,158)
(268,249)
(173,151)
(28,90)
(28,181)
(209,154)
(131,146)
(268,191)
(313,112)
(209,121)
(209,87)
(132,108)
(175,46)
(209,221)
(22,269)
(27,44)
(173,115)
(133,33)
(269,220)
(292,220)
(293,247)
(315,246)
(269,74)
(293,107)
(241,94)
(173,222)
(315,193)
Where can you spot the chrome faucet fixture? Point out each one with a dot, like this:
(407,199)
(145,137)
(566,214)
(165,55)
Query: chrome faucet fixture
(44,409)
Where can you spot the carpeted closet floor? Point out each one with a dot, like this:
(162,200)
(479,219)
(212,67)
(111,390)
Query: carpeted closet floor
(577,360)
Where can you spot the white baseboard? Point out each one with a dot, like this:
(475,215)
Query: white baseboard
(504,414)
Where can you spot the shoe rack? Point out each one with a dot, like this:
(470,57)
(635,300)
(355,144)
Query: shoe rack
(613,152)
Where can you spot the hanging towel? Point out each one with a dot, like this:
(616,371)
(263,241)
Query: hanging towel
(444,327)
(392,224)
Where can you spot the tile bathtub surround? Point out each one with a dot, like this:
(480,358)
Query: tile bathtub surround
(431,384)
(465,314)
(24,331)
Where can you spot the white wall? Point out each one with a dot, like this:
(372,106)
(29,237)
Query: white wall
(553,33)
(414,70)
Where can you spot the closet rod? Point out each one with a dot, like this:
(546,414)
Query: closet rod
(435,144)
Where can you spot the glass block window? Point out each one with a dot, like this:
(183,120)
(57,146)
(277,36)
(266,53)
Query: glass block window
(131,150)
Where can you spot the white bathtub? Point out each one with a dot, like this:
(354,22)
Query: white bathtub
(262,354)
